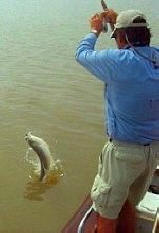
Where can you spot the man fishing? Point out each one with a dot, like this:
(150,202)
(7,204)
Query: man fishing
(130,75)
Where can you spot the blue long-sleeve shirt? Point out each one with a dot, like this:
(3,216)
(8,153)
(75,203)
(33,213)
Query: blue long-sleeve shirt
(131,92)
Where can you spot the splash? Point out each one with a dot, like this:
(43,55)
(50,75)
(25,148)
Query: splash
(35,188)
(54,174)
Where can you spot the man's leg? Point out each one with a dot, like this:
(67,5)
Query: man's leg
(127,219)
(105,225)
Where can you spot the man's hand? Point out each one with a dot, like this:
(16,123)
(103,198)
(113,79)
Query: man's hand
(109,16)
(96,23)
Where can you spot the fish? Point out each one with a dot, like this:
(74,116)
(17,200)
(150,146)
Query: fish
(42,150)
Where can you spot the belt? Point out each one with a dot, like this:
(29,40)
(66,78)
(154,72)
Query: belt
(147,144)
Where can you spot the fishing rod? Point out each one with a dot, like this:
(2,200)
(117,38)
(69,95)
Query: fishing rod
(105,25)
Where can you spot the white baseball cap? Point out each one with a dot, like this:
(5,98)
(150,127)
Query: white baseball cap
(125,20)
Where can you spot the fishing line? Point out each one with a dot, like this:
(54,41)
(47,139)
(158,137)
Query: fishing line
(154,62)
(81,225)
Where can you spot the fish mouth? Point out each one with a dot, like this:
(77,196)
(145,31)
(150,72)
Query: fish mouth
(27,136)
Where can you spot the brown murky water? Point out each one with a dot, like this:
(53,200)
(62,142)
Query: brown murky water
(42,89)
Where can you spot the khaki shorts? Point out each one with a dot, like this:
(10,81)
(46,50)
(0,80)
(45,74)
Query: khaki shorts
(124,172)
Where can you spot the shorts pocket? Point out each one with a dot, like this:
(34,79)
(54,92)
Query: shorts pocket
(100,193)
